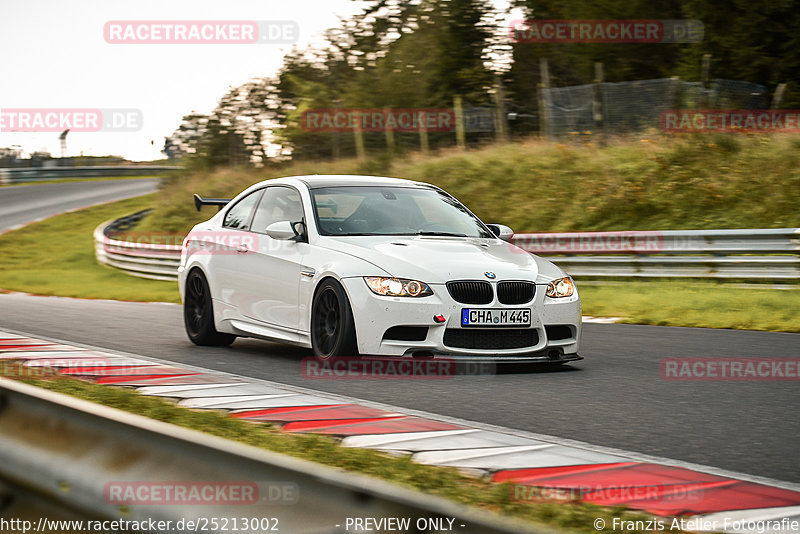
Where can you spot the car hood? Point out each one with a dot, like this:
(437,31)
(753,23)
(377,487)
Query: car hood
(435,260)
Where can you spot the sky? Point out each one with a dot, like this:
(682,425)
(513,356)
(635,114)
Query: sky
(54,55)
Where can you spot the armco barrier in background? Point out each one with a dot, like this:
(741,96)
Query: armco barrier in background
(155,261)
(761,254)
(765,254)
(37,174)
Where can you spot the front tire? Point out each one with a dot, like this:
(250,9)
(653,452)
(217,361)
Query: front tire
(198,313)
(333,331)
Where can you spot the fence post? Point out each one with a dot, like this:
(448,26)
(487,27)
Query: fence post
(361,153)
(544,86)
(704,74)
(337,132)
(458,108)
(777,98)
(501,126)
(597,101)
(389,130)
(423,134)
(675,92)
(335,148)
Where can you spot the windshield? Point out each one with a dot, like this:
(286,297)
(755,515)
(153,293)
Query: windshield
(376,210)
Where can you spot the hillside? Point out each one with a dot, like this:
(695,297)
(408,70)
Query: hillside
(661,183)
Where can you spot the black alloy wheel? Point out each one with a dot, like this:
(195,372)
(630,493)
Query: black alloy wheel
(333,332)
(198,313)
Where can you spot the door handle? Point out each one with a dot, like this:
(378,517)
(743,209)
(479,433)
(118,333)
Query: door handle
(242,249)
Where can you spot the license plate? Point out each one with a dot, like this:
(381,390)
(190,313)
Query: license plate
(495,317)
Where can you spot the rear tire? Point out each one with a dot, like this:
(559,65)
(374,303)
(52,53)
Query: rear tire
(198,313)
(333,330)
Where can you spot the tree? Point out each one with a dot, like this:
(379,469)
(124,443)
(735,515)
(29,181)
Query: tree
(751,41)
(394,54)
(573,63)
(233,134)
(183,141)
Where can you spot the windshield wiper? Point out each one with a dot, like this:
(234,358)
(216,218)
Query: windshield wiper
(351,234)
(443,234)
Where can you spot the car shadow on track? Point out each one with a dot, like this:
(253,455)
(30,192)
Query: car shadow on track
(535,368)
(289,355)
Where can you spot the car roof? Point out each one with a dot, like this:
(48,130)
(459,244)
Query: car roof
(315,181)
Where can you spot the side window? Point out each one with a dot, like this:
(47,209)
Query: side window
(239,215)
(277,204)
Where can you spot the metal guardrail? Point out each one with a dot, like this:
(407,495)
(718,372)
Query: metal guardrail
(761,254)
(36,174)
(731,267)
(760,241)
(145,260)
(764,254)
(74,453)
(770,240)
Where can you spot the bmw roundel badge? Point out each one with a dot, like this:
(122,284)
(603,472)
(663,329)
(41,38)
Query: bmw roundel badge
(490,275)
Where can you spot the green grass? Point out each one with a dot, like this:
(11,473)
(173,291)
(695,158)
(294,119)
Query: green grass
(56,257)
(440,481)
(658,183)
(693,303)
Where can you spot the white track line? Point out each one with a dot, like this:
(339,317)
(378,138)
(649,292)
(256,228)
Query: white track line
(342,399)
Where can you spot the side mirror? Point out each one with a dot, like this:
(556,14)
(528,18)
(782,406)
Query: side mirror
(502,231)
(299,229)
(281,230)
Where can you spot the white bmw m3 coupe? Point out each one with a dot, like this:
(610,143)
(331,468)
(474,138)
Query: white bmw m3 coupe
(361,265)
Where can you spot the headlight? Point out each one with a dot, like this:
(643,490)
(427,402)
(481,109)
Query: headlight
(397,287)
(561,287)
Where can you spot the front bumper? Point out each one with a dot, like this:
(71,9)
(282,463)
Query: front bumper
(375,314)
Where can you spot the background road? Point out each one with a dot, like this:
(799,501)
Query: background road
(25,203)
(616,397)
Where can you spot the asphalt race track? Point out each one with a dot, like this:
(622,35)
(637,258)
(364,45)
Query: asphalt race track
(25,203)
(615,397)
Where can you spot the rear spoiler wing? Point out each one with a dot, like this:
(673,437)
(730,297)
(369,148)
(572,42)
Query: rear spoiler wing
(199,202)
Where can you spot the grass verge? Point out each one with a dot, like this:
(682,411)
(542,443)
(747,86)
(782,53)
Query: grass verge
(33,263)
(699,303)
(440,481)
(656,183)
(56,257)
